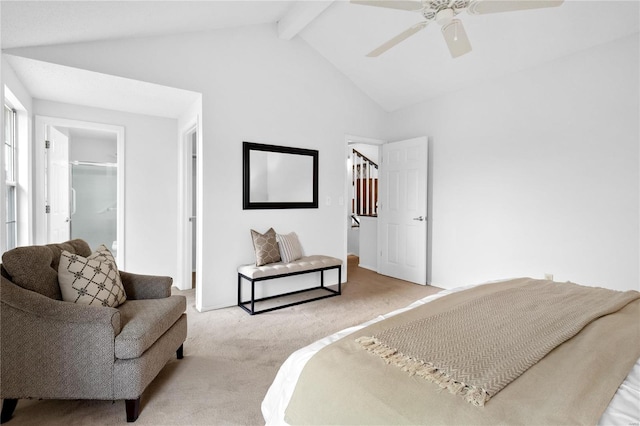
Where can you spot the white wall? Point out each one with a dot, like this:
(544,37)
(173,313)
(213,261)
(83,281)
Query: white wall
(255,88)
(368,150)
(368,243)
(151,175)
(537,173)
(96,150)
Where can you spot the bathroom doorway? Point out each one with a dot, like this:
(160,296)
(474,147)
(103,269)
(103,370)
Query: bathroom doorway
(79,188)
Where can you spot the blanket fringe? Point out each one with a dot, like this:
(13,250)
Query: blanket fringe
(414,367)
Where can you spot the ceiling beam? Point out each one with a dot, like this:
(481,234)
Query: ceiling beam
(301,14)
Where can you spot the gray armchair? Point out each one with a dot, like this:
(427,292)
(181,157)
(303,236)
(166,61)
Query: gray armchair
(52,349)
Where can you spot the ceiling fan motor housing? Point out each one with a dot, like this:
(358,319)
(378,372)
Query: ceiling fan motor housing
(442,11)
(444,16)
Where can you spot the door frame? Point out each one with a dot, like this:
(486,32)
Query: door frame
(350,140)
(185,268)
(40,218)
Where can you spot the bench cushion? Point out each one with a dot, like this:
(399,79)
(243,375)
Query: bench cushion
(306,263)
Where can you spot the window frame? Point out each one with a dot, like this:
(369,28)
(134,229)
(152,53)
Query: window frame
(10,176)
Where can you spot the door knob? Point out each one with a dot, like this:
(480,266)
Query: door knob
(419,218)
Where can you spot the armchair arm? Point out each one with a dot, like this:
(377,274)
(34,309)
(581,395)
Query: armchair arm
(140,287)
(55,349)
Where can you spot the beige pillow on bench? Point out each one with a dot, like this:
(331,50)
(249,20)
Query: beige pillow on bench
(266,247)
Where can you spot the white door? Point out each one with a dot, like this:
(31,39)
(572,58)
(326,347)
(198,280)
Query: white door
(57,186)
(402,212)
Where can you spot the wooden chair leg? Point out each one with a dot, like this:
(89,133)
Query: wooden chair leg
(133,409)
(8,405)
(179,352)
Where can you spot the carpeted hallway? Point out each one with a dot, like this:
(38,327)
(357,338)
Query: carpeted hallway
(231,358)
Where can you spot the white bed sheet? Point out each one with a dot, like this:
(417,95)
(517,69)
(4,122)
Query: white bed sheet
(624,409)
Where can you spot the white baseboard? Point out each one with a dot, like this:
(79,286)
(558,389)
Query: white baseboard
(371,268)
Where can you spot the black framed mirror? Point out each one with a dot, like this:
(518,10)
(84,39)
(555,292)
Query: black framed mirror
(279,177)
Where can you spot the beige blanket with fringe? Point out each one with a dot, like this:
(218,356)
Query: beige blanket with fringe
(477,348)
(572,384)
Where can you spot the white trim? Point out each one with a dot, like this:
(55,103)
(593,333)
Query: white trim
(3,205)
(185,150)
(24,175)
(41,125)
(190,122)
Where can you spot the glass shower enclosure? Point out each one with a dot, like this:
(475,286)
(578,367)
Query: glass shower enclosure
(94,203)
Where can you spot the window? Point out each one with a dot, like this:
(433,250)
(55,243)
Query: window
(11,222)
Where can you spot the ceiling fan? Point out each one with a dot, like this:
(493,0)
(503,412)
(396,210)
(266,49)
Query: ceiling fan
(444,11)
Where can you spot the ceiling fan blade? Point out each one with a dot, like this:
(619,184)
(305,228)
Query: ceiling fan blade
(480,7)
(397,39)
(456,38)
(391,4)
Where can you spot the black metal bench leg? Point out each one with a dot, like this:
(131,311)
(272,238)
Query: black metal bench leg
(133,409)
(8,405)
(253,296)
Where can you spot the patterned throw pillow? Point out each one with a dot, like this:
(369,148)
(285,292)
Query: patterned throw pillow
(266,247)
(92,280)
(290,248)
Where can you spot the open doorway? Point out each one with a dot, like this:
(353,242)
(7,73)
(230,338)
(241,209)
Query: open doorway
(80,183)
(193,182)
(361,194)
(391,237)
(190,170)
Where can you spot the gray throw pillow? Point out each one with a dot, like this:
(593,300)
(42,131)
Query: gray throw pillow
(266,247)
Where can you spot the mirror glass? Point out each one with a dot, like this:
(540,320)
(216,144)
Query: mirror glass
(279,177)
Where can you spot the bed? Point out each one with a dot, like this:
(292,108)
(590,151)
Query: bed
(592,376)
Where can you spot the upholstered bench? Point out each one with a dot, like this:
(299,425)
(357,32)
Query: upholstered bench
(305,265)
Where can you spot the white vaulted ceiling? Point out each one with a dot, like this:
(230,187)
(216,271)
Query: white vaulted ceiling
(417,69)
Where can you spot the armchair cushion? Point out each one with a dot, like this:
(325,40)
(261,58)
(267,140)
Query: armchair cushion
(92,280)
(144,321)
(35,268)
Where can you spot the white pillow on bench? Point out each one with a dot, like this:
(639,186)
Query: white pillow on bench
(290,248)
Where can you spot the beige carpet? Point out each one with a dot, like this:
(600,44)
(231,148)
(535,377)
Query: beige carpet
(231,358)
